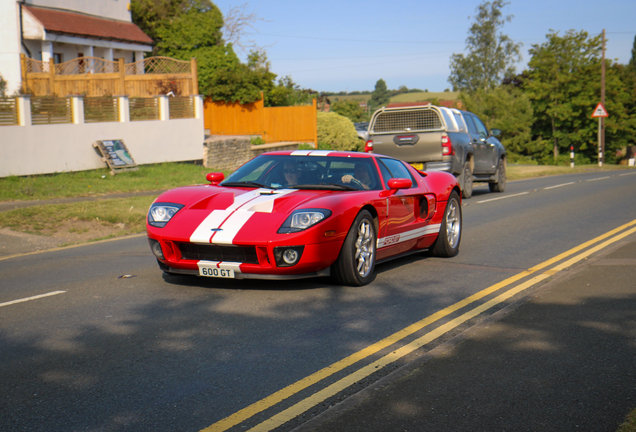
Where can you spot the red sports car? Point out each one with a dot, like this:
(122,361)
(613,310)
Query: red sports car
(296,214)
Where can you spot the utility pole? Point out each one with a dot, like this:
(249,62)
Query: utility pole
(602,137)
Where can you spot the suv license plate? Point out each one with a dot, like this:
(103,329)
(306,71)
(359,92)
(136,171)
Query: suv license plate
(210,271)
(418,166)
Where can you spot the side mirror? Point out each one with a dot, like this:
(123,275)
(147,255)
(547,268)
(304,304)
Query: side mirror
(400,183)
(215,178)
(495,132)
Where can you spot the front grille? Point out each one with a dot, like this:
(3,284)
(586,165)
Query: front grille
(411,120)
(244,254)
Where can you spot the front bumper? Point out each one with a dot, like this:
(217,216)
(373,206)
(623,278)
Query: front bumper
(314,261)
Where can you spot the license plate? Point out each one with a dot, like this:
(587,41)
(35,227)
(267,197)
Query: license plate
(210,271)
(418,166)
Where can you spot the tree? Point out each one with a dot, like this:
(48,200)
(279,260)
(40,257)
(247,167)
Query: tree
(184,29)
(491,54)
(632,62)
(563,83)
(506,108)
(379,96)
(237,20)
(350,109)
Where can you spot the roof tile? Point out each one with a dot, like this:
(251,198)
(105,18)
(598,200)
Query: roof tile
(77,24)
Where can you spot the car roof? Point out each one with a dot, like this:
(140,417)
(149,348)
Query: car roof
(335,153)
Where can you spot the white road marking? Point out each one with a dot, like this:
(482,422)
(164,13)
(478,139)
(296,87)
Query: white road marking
(600,178)
(31,298)
(552,187)
(631,173)
(503,197)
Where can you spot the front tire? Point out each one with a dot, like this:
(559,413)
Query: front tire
(500,184)
(450,234)
(356,263)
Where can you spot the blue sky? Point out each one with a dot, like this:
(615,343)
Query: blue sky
(348,45)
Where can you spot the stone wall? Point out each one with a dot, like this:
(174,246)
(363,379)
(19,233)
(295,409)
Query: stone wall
(227,153)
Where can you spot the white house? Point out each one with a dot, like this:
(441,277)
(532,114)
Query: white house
(40,135)
(65,30)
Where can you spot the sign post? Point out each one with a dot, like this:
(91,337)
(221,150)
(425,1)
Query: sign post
(600,113)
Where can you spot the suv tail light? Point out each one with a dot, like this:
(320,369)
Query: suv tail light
(447,146)
(368,147)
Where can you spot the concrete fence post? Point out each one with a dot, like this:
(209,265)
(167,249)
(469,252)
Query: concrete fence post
(124,109)
(77,107)
(24,110)
(164,108)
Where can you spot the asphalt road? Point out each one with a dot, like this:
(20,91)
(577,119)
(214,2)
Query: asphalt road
(116,345)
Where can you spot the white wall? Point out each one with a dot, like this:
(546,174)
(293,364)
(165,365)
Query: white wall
(10,44)
(45,149)
(114,9)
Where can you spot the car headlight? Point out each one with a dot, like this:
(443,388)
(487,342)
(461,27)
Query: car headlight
(161,213)
(302,219)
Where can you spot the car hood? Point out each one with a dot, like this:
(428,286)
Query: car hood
(225,216)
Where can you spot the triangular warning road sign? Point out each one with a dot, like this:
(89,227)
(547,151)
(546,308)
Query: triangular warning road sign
(599,111)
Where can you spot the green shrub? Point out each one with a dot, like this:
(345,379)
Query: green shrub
(257,140)
(337,131)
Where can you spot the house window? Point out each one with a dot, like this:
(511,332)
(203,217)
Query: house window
(57,58)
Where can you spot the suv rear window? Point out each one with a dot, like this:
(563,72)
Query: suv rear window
(411,120)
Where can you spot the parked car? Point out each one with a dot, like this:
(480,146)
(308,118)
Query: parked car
(289,215)
(361,129)
(435,138)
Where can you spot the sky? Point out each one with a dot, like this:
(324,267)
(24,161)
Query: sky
(333,46)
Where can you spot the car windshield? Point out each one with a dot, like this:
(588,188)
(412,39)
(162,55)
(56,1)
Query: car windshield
(306,172)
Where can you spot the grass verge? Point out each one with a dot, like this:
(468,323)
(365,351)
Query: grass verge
(522,172)
(630,423)
(99,182)
(82,221)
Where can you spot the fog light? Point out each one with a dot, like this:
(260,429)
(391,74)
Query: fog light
(288,256)
(155,247)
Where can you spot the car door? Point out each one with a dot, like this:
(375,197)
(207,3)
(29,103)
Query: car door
(400,234)
(484,145)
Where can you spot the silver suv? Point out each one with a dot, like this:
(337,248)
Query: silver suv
(441,139)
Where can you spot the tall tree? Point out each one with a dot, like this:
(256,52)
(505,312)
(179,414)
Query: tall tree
(563,83)
(491,54)
(506,108)
(184,29)
(380,95)
(632,62)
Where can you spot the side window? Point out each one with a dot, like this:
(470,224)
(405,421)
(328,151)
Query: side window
(471,126)
(460,121)
(481,128)
(396,169)
(450,123)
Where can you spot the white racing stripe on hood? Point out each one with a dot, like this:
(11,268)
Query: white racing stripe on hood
(232,219)
(408,235)
(204,231)
(311,153)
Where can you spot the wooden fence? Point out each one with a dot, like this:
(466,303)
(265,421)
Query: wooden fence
(92,76)
(277,124)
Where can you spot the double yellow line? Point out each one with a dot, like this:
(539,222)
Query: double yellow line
(331,390)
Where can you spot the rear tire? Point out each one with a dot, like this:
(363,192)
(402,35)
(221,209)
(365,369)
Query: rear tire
(467,181)
(450,234)
(500,184)
(356,263)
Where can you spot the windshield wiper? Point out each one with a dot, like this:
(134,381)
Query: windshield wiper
(246,183)
(333,186)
